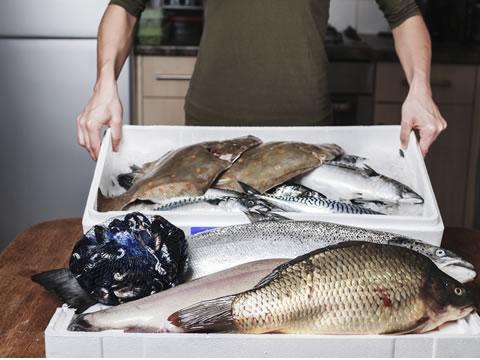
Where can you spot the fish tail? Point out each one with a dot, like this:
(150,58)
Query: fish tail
(211,315)
(80,323)
(63,283)
(127,180)
(105,204)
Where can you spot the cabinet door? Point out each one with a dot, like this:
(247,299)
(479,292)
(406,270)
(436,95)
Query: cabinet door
(451,84)
(163,111)
(448,159)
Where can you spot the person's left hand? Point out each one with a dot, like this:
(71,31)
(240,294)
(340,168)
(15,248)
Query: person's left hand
(420,112)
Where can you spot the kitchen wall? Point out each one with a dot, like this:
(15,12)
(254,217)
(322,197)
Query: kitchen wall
(363,15)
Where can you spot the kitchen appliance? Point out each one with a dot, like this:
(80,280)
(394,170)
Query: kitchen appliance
(450,20)
(183,22)
(47,72)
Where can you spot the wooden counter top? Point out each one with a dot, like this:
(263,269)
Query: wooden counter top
(27,308)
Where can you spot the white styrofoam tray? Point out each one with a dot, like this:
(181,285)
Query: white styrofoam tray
(457,339)
(380,144)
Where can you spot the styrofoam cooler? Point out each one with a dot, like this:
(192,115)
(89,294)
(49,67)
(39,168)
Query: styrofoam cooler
(380,144)
(458,339)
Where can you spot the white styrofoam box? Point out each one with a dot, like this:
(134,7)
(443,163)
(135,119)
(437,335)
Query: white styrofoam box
(380,144)
(458,339)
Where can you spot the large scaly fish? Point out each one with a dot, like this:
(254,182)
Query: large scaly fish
(150,314)
(363,184)
(353,288)
(224,247)
(188,171)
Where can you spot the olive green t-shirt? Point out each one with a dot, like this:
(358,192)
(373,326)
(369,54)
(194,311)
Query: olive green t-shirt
(263,62)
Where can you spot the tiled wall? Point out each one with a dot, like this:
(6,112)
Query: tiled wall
(363,15)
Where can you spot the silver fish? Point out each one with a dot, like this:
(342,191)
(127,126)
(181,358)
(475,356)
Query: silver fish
(150,314)
(317,206)
(361,184)
(298,198)
(222,248)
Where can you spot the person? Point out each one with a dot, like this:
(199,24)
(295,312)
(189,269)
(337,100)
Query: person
(261,62)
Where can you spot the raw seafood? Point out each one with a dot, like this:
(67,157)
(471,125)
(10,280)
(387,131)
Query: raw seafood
(150,314)
(298,198)
(189,171)
(272,164)
(352,288)
(123,260)
(349,182)
(221,248)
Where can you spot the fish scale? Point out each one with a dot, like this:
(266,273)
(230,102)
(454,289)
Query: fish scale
(221,248)
(336,309)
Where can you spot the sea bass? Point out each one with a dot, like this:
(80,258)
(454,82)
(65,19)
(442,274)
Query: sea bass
(150,314)
(188,171)
(271,164)
(350,289)
(218,249)
(363,184)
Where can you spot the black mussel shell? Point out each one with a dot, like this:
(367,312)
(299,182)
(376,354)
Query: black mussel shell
(129,258)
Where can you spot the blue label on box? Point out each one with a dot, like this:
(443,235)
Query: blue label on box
(196,230)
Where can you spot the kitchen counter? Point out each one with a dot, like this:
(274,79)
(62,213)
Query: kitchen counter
(27,307)
(442,53)
(373,48)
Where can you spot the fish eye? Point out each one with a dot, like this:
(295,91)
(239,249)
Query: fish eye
(458,291)
(440,253)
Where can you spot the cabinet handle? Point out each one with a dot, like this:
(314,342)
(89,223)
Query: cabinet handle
(441,84)
(160,77)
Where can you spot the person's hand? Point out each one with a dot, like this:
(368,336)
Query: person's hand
(103,110)
(419,112)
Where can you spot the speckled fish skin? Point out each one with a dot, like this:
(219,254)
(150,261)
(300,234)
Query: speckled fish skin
(221,248)
(353,289)
(316,205)
(271,164)
(189,171)
(150,314)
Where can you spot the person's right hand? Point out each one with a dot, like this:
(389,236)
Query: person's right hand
(104,109)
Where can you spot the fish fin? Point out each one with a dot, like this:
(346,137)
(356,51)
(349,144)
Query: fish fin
(105,204)
(257,216)
(278,270)
(209,315)
(416,328)
(370,171)
(63,283)
(79,323)
(248,189)
(361,202)
(127,180)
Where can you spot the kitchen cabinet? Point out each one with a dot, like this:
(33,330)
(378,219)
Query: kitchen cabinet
(473,186)
(161,86)
(449,161)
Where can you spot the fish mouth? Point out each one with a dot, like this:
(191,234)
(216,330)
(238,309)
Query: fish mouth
(412,200)
(459,269)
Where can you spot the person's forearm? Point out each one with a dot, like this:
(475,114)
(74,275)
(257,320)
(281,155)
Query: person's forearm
(115,37)
(414,48)
(419,111)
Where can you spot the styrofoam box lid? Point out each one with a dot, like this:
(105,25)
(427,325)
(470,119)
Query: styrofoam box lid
(456,339)
(380,144)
